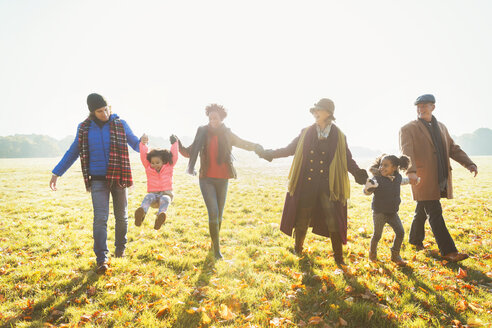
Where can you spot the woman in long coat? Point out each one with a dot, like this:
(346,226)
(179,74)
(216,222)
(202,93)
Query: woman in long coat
(214,143)
(318,181)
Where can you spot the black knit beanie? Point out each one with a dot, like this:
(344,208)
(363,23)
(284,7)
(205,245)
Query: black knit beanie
(95,101)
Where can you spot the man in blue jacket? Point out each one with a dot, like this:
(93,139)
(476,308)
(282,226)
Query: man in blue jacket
(101,143)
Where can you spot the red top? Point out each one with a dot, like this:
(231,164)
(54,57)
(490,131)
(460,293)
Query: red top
(215,170)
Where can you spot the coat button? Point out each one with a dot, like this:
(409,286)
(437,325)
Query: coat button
(311,170)
(311,161)
(321,162)
(309,178)
(321,171)
(312,151)
(323,152)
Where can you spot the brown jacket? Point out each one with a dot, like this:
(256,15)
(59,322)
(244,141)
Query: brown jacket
(233,140)
(416,143)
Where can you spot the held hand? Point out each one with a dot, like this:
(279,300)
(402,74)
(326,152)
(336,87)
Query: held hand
(173,139)
(473,169)
(361,176)
(259,149)
(266,155)
(371,185)
(413,178)
(53,182)
(144,139)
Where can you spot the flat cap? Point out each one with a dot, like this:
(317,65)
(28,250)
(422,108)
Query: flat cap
(424,99)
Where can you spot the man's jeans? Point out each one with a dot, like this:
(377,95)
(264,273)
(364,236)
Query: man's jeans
(431,209)
(100,201)
(214,193)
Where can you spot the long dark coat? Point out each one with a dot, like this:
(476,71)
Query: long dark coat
(291,202)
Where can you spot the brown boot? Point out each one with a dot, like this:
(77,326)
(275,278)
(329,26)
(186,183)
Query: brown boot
(336,244)
(373,256)
(395,257)
(300,236)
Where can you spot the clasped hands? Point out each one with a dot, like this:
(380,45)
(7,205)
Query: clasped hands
(145,139)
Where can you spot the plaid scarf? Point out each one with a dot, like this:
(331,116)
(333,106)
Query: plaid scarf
(119,170)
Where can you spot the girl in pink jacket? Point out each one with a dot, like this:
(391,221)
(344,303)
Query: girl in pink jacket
(159,165)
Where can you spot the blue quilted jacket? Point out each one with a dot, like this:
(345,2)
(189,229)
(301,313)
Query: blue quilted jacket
(98,148)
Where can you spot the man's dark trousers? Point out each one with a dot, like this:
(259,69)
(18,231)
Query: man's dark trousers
(431,209)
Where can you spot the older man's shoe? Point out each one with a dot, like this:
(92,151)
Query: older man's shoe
(455,257)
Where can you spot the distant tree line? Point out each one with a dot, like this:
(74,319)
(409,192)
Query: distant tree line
(35,145)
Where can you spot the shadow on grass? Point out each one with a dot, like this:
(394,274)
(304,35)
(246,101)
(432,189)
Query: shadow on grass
(441,303)
(472,274)
(320,297)
(183,318)
(72,290)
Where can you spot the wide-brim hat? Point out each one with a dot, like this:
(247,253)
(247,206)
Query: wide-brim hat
(324,104)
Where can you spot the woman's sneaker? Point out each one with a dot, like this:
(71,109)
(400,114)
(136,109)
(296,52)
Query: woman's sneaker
(159,221)
(139,216)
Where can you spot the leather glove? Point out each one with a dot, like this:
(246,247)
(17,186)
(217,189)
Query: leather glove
(361,176)
(173,139)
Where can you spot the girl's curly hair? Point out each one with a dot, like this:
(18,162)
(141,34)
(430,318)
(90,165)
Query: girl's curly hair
(401,162)
(216,108)
(165,155)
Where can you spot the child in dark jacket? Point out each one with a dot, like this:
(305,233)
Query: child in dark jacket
(385,185)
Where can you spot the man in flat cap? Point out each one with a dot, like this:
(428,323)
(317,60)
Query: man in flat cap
(428,144)
(319,186)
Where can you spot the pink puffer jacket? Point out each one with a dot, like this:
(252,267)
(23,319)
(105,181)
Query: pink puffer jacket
(163,180)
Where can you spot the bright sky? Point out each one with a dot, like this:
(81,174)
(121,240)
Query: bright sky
(159,63)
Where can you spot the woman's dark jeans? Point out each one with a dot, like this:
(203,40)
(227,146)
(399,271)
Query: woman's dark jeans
(214,193)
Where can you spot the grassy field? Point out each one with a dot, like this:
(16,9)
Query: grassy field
(169,277)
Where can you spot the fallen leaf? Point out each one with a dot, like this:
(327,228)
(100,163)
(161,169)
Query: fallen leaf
(456,323)
(461,306)
(475,322)
(342,322)
(225,313)
(206,319)
(163,311)
(461,273)
(370,314)
(315,320)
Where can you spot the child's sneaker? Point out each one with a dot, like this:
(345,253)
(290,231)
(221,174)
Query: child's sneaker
(139,216)
(395,257)
(159,221)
